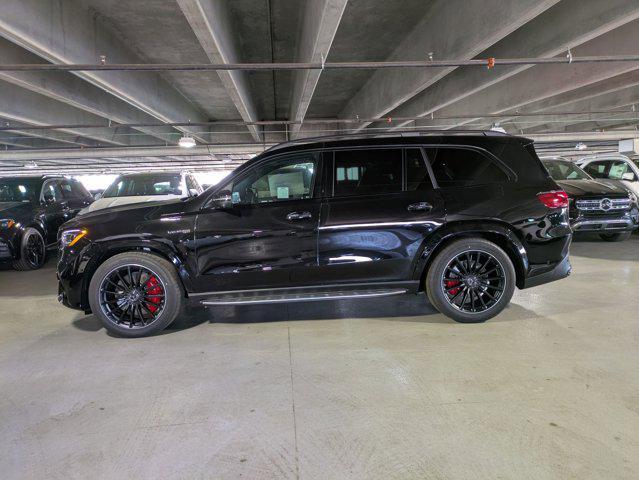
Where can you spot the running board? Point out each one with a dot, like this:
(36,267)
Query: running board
(252,298)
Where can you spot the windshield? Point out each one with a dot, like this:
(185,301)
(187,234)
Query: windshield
(18,190)
(564,170)
(144,185)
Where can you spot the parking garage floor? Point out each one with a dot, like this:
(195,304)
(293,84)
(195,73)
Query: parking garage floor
(358,389)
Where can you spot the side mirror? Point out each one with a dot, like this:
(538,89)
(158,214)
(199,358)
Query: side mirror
(628,176)
(193,192)
(224,200)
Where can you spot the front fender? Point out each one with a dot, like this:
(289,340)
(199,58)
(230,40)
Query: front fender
(96,253)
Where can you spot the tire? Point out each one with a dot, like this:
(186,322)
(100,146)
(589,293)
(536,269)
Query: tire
(494,293)
(30,259)
(615,237)
(162,297)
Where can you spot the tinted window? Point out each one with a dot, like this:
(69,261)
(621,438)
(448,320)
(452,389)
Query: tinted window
(291,178)
(18,190)
(143,185)
(596,169)
(459,167)
(72,190)
(417,177)
(560,170)
(362,172)
(51,189)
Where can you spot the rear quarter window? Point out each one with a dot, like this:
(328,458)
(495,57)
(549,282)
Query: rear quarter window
(463,167)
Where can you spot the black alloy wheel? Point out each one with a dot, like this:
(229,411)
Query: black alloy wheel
(132,296)
(470,280)
(33,251)
(473,281)
(136,294)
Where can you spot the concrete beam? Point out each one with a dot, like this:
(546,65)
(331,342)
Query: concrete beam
(34,109)
(63,32)
(319,24)
(74,91)
(87,153)
(212,26)
(545,81)
(564,26)
(15,140)
(440,31)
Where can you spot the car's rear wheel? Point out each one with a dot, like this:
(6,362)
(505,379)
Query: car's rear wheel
(471,280)
(33,251)
(135,294)
(615,237)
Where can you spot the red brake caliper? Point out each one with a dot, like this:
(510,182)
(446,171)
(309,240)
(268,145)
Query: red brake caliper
(452,286)
(153,287)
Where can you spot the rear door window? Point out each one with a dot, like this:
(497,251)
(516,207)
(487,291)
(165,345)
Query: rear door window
(365,172)
(417,176)
(463,167)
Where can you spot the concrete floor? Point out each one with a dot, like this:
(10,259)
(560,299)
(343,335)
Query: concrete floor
(359,389)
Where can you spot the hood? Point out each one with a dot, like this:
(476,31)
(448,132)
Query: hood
(103,203)
(584,188)
(8,209)
(114,213)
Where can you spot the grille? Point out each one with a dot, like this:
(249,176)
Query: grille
(603,204)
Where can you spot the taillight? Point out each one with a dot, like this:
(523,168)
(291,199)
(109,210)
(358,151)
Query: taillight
(554,199)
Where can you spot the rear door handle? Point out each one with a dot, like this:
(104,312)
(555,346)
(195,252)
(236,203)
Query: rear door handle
(419,207)
(293,216)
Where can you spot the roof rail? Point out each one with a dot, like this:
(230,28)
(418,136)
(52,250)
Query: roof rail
(399,133)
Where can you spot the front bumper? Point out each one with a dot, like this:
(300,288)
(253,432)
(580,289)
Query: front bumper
(71,265)
(9,245)
(620,223)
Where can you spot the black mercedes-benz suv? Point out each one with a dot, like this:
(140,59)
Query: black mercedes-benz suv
(463,216)
(31,211)
(601,206)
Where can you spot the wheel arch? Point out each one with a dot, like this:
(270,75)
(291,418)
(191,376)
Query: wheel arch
(105,251)
(492,230)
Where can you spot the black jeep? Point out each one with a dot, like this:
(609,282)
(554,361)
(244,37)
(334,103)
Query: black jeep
(31,211)
(463,216)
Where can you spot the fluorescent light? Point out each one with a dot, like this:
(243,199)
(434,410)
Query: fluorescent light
(31,165)
(581,146)
(186,142)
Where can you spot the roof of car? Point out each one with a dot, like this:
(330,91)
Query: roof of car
(408,137)
(137,174)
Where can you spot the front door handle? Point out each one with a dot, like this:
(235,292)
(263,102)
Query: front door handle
(293,216)
(419,207)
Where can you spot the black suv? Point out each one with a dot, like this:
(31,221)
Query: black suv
(463,216)
(31,211)
(601,206)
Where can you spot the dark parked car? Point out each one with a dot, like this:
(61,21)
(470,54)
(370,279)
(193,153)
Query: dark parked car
(31,211)
(465,217)
(601,206)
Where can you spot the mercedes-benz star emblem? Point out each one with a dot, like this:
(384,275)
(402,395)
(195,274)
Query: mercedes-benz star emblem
(605,204)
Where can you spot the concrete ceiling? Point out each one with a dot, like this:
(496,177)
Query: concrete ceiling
(251,31)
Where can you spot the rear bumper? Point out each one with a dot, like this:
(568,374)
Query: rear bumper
(540,274)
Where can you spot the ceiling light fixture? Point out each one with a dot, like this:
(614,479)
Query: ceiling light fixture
(31,165)
(186,142)
(581,146)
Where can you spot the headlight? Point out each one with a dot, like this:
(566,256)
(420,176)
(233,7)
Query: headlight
(7,223)
(68,238)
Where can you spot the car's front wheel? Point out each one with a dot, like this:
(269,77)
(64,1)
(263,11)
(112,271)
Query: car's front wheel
(135,294)
(615,237)
(33,251)
(471,280)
